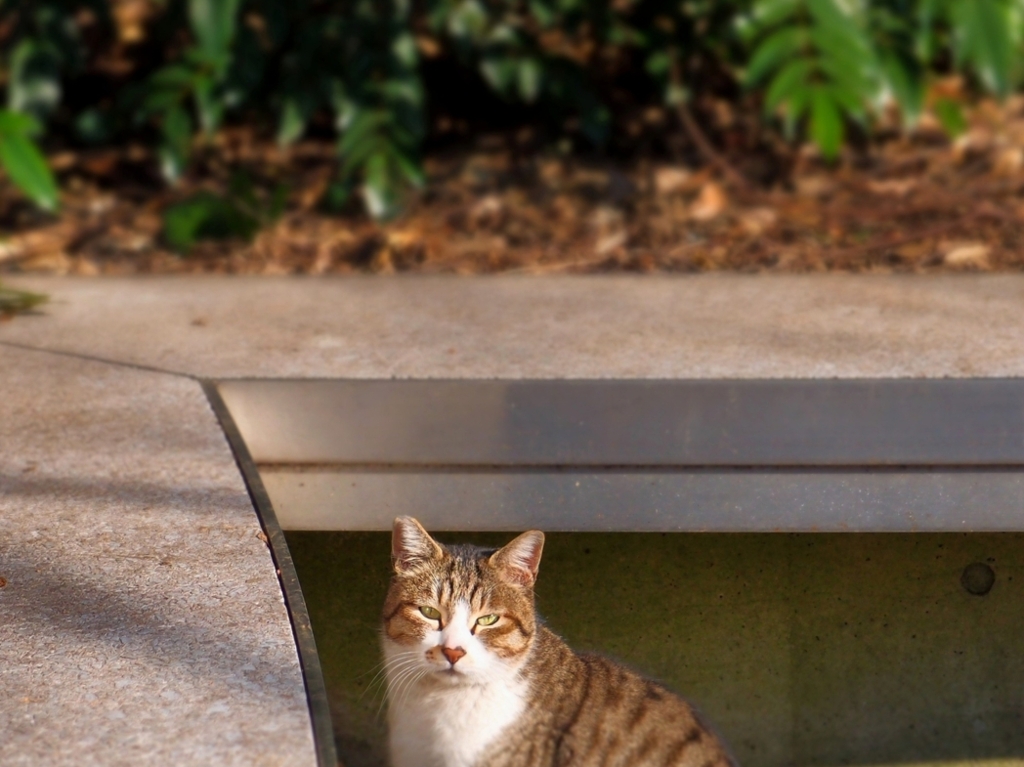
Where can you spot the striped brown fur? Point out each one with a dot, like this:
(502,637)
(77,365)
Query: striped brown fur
(564,708)
(588,711)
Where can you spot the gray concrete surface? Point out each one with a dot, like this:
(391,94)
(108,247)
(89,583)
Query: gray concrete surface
(703,326)
(141,621)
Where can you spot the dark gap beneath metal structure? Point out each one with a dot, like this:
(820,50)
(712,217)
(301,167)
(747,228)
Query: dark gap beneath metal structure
(822,649)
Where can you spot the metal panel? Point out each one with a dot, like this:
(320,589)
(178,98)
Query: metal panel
(651,501)
(632,423)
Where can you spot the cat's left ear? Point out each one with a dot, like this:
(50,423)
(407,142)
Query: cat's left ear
(519,560)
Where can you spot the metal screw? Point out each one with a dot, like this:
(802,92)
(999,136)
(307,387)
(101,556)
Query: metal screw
(978,579)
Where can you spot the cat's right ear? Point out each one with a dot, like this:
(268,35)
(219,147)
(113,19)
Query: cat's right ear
(411,545)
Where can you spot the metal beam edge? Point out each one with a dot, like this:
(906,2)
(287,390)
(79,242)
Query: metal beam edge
(295,603)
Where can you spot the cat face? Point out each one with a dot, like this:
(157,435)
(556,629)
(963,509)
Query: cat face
(459,614)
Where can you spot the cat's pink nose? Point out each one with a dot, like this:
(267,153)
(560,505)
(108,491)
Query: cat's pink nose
(453,654)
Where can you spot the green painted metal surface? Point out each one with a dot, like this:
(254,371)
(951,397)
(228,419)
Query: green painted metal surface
(810,649)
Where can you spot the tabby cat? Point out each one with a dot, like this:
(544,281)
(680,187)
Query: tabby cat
(475,680)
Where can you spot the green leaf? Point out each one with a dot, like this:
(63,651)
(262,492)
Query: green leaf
(499,72)
(796,105)
(787,42)
(177,140)
(202,60)
(409,168)
(843,44)
(155,102)
(468,19)
(768,13)
(206,216)
(906,85)
(293,121)
(356,160)
(364,126)
(983,34)
(622,35)
(826,126)
(543,13)
(925,38)
(177,129)
(530,72)
(173,77)
(852,75)
(504,34)
(658,63)
(790,79)
(34,78)
(408,90)
(181,224)
(849,100)
(213,22)
(403,48)
(830,14)
(380,188)
(16,122)
(28,170)
(951,116)
(346,109)
(209,103)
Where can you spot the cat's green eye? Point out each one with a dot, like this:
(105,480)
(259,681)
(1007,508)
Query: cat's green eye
(431,612)
(487,620)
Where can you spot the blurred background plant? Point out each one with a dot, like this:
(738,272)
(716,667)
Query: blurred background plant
(14,301)
(387,80)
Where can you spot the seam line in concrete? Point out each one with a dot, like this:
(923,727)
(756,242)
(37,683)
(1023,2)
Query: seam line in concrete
(101,360)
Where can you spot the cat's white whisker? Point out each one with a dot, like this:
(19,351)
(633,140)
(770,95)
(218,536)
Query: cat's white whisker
(391,666)
(402,685)
(390,663)
(411,685)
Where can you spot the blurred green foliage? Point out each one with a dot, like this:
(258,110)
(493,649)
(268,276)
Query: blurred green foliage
(826,62)
(23,161)
(359,67)
(14,301)
(240,213)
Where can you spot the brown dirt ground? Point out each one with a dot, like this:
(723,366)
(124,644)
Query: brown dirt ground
(915,202)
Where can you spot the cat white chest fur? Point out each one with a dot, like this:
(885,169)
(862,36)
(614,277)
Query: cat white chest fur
(451,725)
